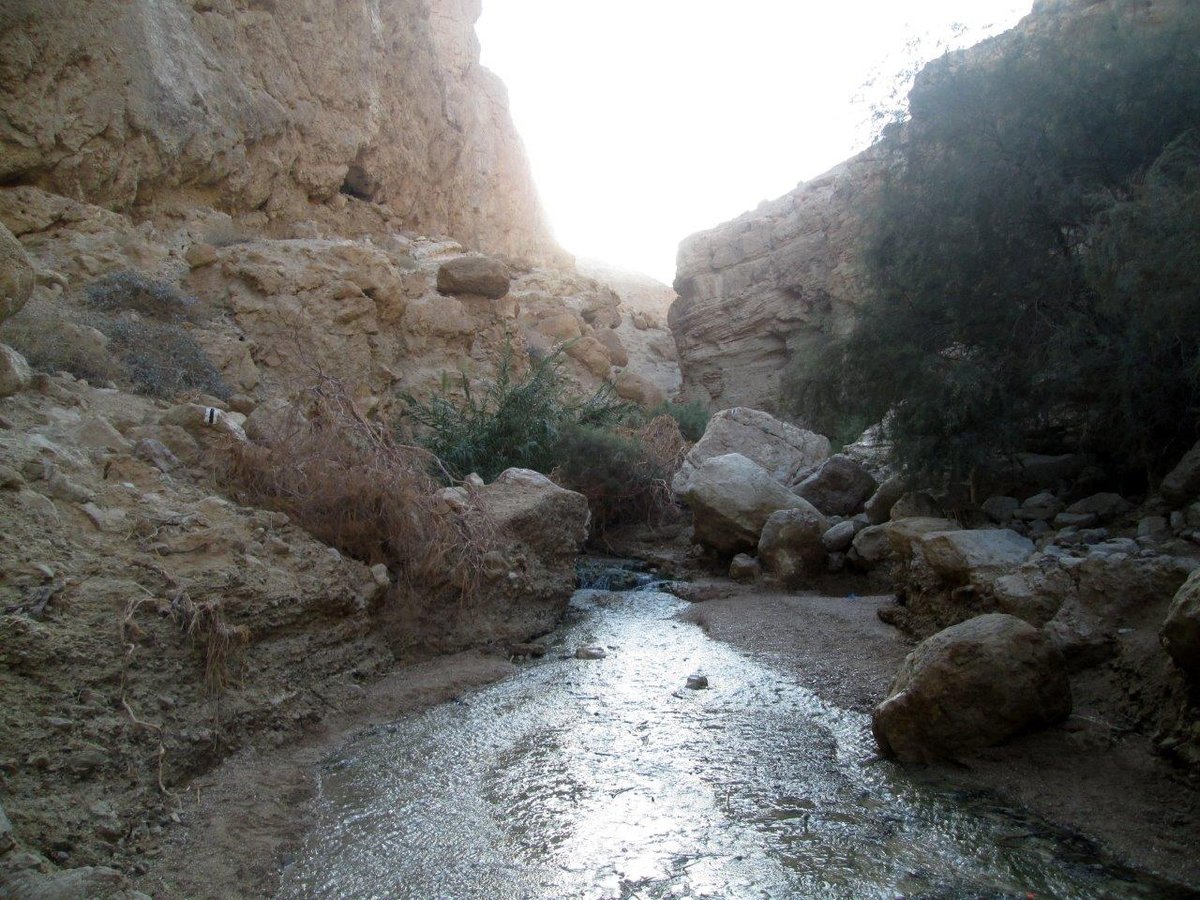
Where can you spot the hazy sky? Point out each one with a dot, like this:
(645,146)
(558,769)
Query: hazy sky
(647,120)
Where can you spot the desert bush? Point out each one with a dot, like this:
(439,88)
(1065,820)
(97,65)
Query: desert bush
(514,419)
(53,343)
(691,417)
(161,359)
(625,474)
(132,291)
(353,485)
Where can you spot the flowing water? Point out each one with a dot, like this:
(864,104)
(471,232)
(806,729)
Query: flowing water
(609,778)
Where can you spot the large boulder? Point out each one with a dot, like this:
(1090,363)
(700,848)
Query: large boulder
(1181,630)
(1105,507)
(478,275)
(879,507)
(964,556)
(1183,482)
(731,498)
(782,449)
(527,577)
(15,373)
(902,534)
(870,547)
(973,685)
(791,545)
(839,487)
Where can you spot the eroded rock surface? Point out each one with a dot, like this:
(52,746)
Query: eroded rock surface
(282,112)
(757,291)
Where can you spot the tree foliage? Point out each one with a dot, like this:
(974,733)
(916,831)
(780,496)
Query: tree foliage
(1034,259)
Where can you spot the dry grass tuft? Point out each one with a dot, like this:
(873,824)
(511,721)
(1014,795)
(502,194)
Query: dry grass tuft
(354,486)
(205,622)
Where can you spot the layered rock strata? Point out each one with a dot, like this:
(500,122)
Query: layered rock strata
(771,284)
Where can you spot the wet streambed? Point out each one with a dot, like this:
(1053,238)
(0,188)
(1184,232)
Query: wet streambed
(609,778)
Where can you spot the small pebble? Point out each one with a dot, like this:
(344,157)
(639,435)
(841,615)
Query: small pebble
(697,682)
(590,652)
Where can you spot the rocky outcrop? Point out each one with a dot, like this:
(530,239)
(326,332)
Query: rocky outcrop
(784,450)
(375,116)
(771,284)
(277,315)
(648,346)
(974,685)
(133,594)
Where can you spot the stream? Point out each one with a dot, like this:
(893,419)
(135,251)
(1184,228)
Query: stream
(609,778)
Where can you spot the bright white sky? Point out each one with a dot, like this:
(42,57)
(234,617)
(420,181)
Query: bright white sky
(648,120)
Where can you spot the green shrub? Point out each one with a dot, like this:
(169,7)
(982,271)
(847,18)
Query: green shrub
(133,291)
(1033,269)
(624,474)
(514,420)
(691,417)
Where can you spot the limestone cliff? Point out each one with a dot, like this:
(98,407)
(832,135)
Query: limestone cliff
(273,112)
(755,291)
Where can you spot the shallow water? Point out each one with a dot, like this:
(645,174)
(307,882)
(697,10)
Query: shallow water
(608,778)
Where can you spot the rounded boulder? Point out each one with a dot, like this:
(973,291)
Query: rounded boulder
(975,684)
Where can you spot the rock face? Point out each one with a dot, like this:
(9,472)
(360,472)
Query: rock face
(973,685)
(779,447)
(757,291)
(275,313)
(731,498)
(16,275)
(283,111)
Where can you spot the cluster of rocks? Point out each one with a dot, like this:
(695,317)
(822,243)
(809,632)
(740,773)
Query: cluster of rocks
(1094,582)
(1049,583)
(771,495)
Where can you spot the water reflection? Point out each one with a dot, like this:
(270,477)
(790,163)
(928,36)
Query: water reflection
(609,778)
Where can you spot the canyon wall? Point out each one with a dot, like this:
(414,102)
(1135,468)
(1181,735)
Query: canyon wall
(777,282)
(758,290)
(274,112)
